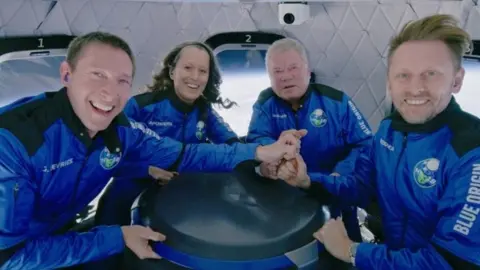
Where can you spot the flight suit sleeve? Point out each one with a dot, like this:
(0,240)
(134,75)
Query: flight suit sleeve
(149,149)
(354,189)
(455,244)
(218,131)
(260,129)
(17,201)
(357,135)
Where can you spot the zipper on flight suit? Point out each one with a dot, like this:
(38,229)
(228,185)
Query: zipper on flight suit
(16,188)
(295,114)
(405,219)
(185,117)
(77,182)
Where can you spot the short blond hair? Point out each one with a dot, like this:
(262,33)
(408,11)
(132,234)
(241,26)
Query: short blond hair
(440,27)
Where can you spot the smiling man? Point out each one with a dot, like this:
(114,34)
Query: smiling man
(423,167)
(60,149)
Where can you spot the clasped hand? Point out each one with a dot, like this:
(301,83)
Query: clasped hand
(291,169)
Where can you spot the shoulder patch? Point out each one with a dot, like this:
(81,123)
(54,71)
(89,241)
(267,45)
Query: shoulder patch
(328,91)
(28,122)
(265,95)
(149,98)
(466,132)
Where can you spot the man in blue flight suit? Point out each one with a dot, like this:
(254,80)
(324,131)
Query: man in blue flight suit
(337,131)
(60,149)
(423,167)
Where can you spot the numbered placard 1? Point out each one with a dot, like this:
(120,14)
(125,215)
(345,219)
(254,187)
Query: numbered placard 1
(40,43)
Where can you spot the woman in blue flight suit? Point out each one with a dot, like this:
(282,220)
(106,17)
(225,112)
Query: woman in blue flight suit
(177,105)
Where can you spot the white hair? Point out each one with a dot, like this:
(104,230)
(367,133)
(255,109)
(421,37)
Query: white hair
(286,44)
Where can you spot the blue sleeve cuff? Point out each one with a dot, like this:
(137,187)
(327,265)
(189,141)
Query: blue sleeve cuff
(111,241)
(241,152)
(320,177)
(250,150)
(364,256)
(343,168)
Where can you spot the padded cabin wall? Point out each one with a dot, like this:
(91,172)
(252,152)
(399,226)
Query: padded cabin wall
(346,41)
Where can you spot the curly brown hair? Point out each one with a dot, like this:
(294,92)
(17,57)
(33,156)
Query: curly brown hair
(211,94)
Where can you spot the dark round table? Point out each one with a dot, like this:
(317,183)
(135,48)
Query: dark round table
(234,220)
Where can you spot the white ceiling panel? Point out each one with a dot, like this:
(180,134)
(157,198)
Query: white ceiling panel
(473,22)
(346,40)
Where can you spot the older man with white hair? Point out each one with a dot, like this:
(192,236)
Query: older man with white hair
(337,131)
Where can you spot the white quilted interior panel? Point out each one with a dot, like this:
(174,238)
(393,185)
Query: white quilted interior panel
(346,40)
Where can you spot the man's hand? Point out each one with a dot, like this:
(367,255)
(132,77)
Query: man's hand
(296,133)
(335,239)
(160,175)
(285,148)
(294,172)
(269,170)
(136,239)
